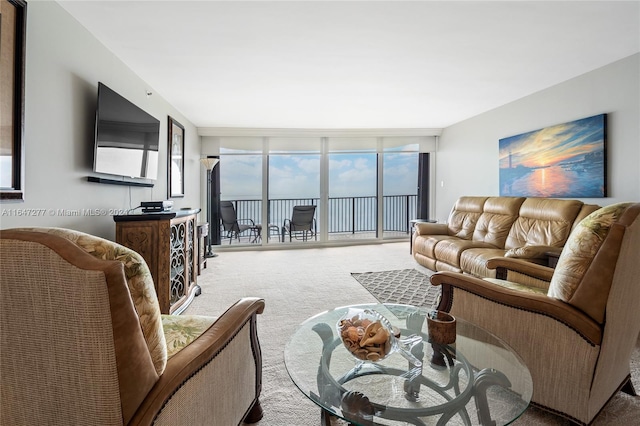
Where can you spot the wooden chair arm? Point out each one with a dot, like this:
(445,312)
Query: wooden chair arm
(503,265)
(215,340)
(530,302)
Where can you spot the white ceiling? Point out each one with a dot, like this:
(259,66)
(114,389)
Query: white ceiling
(361,64)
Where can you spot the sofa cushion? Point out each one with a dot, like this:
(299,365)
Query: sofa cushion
(464,216)
(543,221)
(426,245)
(474,261)
(516,286)
(578,256)
(449,251)
(494,223)
(181,330)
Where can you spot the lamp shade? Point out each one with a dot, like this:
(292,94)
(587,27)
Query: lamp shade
(209,162)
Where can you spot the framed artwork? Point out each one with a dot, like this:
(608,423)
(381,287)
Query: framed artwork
(175,155)
(13,20)
(565,160)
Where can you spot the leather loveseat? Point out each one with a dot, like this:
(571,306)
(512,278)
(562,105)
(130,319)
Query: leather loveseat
(482,228)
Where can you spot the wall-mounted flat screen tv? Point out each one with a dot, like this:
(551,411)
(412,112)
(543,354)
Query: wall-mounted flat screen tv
(127,138)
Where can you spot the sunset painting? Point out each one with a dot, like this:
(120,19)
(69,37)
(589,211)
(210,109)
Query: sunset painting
(565,160)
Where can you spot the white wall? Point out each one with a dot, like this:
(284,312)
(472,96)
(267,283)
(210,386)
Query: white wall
(467,157)
(64,64)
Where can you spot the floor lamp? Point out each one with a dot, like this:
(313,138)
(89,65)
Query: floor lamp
(209,163)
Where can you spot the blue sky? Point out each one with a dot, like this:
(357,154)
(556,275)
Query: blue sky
(298,175)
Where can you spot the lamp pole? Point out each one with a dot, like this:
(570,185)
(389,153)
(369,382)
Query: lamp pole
(209,163)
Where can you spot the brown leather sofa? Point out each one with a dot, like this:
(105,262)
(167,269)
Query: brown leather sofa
(482,228)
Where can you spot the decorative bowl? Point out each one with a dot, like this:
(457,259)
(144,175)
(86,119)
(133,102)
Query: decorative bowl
(369,336)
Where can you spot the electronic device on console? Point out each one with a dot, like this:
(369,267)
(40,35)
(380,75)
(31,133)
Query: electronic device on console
(156,206)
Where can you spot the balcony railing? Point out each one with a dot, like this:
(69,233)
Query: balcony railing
(345,214)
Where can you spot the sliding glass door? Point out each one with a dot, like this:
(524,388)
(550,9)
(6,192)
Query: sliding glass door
(293,180)
(352,188)
(400,189)
(241,184)
(363,188)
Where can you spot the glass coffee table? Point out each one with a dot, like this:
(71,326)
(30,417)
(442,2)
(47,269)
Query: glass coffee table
(478,380)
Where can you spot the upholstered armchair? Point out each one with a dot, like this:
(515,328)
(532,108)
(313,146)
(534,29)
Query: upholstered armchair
(83,341)
(576,326)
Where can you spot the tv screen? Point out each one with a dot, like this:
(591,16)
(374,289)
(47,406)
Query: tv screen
(127,138)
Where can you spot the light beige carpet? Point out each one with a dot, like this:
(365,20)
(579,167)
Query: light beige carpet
(297,284)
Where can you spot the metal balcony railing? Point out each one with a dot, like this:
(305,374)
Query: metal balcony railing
(345,214)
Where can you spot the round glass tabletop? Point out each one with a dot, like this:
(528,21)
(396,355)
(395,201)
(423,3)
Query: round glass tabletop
(477,380)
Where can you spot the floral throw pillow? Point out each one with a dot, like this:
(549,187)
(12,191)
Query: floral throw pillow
(580,249)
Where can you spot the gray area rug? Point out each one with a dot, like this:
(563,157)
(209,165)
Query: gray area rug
(405,286)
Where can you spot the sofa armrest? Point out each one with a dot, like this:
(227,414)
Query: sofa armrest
(233,336)
(512,269)
(537,303)
(429,228)
(532,252)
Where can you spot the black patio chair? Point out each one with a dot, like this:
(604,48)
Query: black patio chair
(233,226)
(302,224)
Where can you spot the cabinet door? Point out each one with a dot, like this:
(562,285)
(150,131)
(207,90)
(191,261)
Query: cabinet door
(183,262)
(179,268)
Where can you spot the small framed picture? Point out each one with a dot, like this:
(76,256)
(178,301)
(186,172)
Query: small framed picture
(175,155)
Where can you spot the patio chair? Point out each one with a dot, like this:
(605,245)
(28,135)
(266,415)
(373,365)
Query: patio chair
(302,224)
(234,226)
